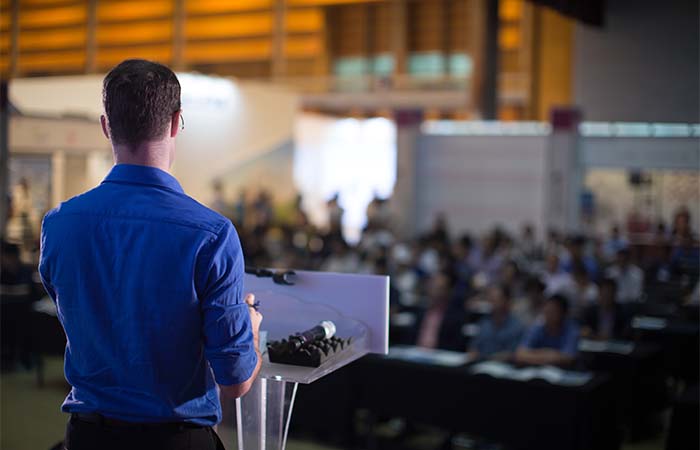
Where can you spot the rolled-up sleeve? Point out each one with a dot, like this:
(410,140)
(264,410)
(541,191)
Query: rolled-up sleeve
(226,325)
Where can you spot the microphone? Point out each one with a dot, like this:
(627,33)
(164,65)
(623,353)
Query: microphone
(324,330)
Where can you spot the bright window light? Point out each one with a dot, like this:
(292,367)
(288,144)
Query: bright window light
(354,158)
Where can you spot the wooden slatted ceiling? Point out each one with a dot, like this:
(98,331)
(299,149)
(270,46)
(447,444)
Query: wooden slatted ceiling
(130,11)
(458,37)
(5,37)
(210,7)
(52,36)
(328,2)
(382,26)
(259,49)
(229,26)
(304,21)
(425,24)
(133,29)
(510,16)
(348,31)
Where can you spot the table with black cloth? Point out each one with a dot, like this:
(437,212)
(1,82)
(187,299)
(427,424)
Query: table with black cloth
(518,414)
(685,416)
(639,376)
(679,339)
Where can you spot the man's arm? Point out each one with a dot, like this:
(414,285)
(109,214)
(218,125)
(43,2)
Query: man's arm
(230,325)
(527,354)
(239,390)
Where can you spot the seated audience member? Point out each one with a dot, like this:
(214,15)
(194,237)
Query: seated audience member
(584,293)
(556,280)
(500,333)
(15,276)
(529,308)
(576,247)
(614,243)
(440,326)
(488,260)
(605,319)
(554,341)
(685,258)
(462,251)
(628,277)
(529,248)
(512,279)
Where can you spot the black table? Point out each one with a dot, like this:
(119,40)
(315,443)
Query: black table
(683,432)
(680,340)
(518,414)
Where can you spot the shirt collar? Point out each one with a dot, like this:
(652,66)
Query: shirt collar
(135,174)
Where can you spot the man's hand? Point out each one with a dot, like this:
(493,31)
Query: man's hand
(255,317)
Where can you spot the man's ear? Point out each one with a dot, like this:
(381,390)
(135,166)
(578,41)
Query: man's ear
(103,122)
(175,123)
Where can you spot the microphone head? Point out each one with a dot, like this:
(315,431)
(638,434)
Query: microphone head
(328,327)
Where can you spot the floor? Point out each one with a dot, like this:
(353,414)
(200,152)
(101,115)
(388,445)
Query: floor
(23,407)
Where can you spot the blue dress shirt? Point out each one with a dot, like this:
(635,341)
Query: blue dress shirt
(148,285)
(566,341)
(494,339)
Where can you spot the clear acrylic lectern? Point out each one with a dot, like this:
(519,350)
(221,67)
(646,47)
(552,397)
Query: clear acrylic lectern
(358,306)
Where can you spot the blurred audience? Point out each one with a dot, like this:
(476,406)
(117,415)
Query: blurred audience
(629,278)
(605,319)
(498,295)
(554,341)
(501,332)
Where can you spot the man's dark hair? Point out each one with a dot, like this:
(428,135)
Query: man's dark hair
(139,98)
(561,302)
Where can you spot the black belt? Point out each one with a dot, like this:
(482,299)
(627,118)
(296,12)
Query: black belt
(99,419)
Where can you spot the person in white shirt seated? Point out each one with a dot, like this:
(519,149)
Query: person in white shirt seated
(584,293)
(555,279)
(629,278)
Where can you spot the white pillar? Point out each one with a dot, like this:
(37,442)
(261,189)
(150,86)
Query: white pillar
(58,177)
(404,198)
(564,172)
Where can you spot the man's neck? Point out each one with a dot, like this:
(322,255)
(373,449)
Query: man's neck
(152,154)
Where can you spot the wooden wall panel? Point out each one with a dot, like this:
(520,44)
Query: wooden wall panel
(349,31)
(425,26)
(239,50)
(382,26)
(238,25)
(304,21)
(128,11)
(328,2)
(53,39)
(458,37)
(4,43)
(303,47)
(211,7)
(5,17)
(109,57)
(34,18)
(126,34)
(69,61)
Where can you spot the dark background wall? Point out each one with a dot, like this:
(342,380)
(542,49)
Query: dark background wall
(642,65)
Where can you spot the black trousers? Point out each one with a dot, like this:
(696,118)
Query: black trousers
(82,435)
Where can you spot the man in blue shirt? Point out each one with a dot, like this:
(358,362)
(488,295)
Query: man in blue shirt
(554,341)
(500,333)
(148,285)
